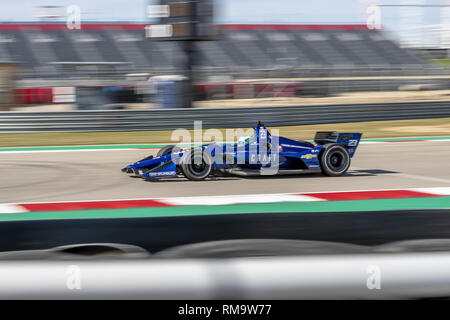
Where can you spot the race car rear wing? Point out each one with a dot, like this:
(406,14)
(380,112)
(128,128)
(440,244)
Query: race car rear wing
(324,137)
(349,140)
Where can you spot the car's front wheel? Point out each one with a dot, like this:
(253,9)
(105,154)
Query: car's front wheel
(167,150)
(196,164)
(334,160)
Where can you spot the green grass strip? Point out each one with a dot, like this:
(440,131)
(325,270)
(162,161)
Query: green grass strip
(145,146)
(319,206)
(407,139)
(102,147)
(93,147)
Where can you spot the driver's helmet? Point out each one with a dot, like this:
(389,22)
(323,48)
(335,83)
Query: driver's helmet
(244,140)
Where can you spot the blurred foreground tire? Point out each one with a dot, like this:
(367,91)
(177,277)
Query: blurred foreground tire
(259,248)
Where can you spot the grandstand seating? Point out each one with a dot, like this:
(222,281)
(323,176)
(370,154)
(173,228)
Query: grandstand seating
(37,46)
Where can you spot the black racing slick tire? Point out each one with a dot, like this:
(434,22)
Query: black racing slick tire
(334,160)
(196,164)
(167,150)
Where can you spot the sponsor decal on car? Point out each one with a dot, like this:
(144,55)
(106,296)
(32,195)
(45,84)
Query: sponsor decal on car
(263,157)
(294,146)
(162,174)
(309,156)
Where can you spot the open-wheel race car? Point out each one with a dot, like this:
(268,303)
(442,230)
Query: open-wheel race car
(253,155)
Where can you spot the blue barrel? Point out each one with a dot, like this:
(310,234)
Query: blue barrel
(170,91)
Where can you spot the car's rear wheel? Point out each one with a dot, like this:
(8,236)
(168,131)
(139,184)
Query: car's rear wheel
(196,164)
(334,160)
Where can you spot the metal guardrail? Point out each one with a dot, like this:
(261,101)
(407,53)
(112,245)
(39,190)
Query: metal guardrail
(167,119)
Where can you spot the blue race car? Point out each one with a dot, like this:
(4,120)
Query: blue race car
(254,155)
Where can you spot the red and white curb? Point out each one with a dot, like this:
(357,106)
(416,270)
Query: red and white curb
(225,200)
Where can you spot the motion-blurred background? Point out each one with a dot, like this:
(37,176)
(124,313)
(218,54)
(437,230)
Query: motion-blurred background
(69,55)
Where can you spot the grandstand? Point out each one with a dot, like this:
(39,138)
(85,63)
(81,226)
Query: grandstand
(42,48)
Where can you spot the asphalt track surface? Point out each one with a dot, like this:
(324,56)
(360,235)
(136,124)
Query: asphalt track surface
(96,175)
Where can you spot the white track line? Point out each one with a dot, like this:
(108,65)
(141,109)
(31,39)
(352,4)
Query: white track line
(225,200)
(11,208)
(444,191)
(411,176)
(56,151)
(416,177)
